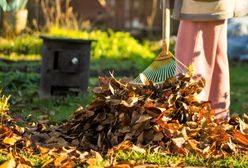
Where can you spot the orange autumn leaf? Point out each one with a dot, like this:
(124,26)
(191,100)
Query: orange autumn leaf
(23,166)
(64,161)
(239,137)
(11,140)
(5,131)
(8,164)
(125,164)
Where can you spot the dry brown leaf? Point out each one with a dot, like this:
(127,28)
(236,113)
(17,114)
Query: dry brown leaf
(111,89)
(240,138)
(44,150)
(219,134)
(12,140)
(138,149)
(23,161)
(23,166)
(5,131)
(158,137)
(63,161)
(48,162)
(243,127)
(144,79)
(194,146)
(95,160)
(123,165)
(8,164)
(149,166)
(143,118)
(57,141)
(179,142)
(246,118)
(140,138)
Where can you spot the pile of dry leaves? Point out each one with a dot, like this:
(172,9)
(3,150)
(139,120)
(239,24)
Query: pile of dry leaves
(167,116)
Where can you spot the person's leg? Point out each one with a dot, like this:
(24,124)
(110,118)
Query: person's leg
(220,85)
(199,43)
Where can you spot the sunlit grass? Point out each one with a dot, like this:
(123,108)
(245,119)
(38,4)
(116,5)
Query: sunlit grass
(35,159)
(20,57)
(3,157)
(239,89)
(4,107)
(162,159)
(57,109)
(24,87)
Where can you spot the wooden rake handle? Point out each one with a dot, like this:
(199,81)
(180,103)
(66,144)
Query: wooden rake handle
(165,26)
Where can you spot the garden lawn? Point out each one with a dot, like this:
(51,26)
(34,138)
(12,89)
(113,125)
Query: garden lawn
(239,89)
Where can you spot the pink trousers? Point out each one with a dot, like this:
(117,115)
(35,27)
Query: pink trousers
(204,46)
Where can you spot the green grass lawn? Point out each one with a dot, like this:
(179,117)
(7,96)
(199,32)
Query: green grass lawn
(239,89)
(175,161)
(149,159)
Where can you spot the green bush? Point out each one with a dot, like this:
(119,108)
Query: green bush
(107,45)
(111,45)
(26,44)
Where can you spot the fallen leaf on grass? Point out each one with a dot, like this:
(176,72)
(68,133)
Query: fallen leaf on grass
(8,164)
(23,166)
(64,161)
(95,160)
(240,138)
(12,140)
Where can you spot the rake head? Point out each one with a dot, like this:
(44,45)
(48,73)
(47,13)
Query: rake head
(162,68)
(165,65)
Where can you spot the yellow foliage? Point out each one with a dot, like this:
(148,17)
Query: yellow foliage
(4,106)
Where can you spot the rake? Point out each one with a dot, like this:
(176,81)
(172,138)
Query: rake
(165,64)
